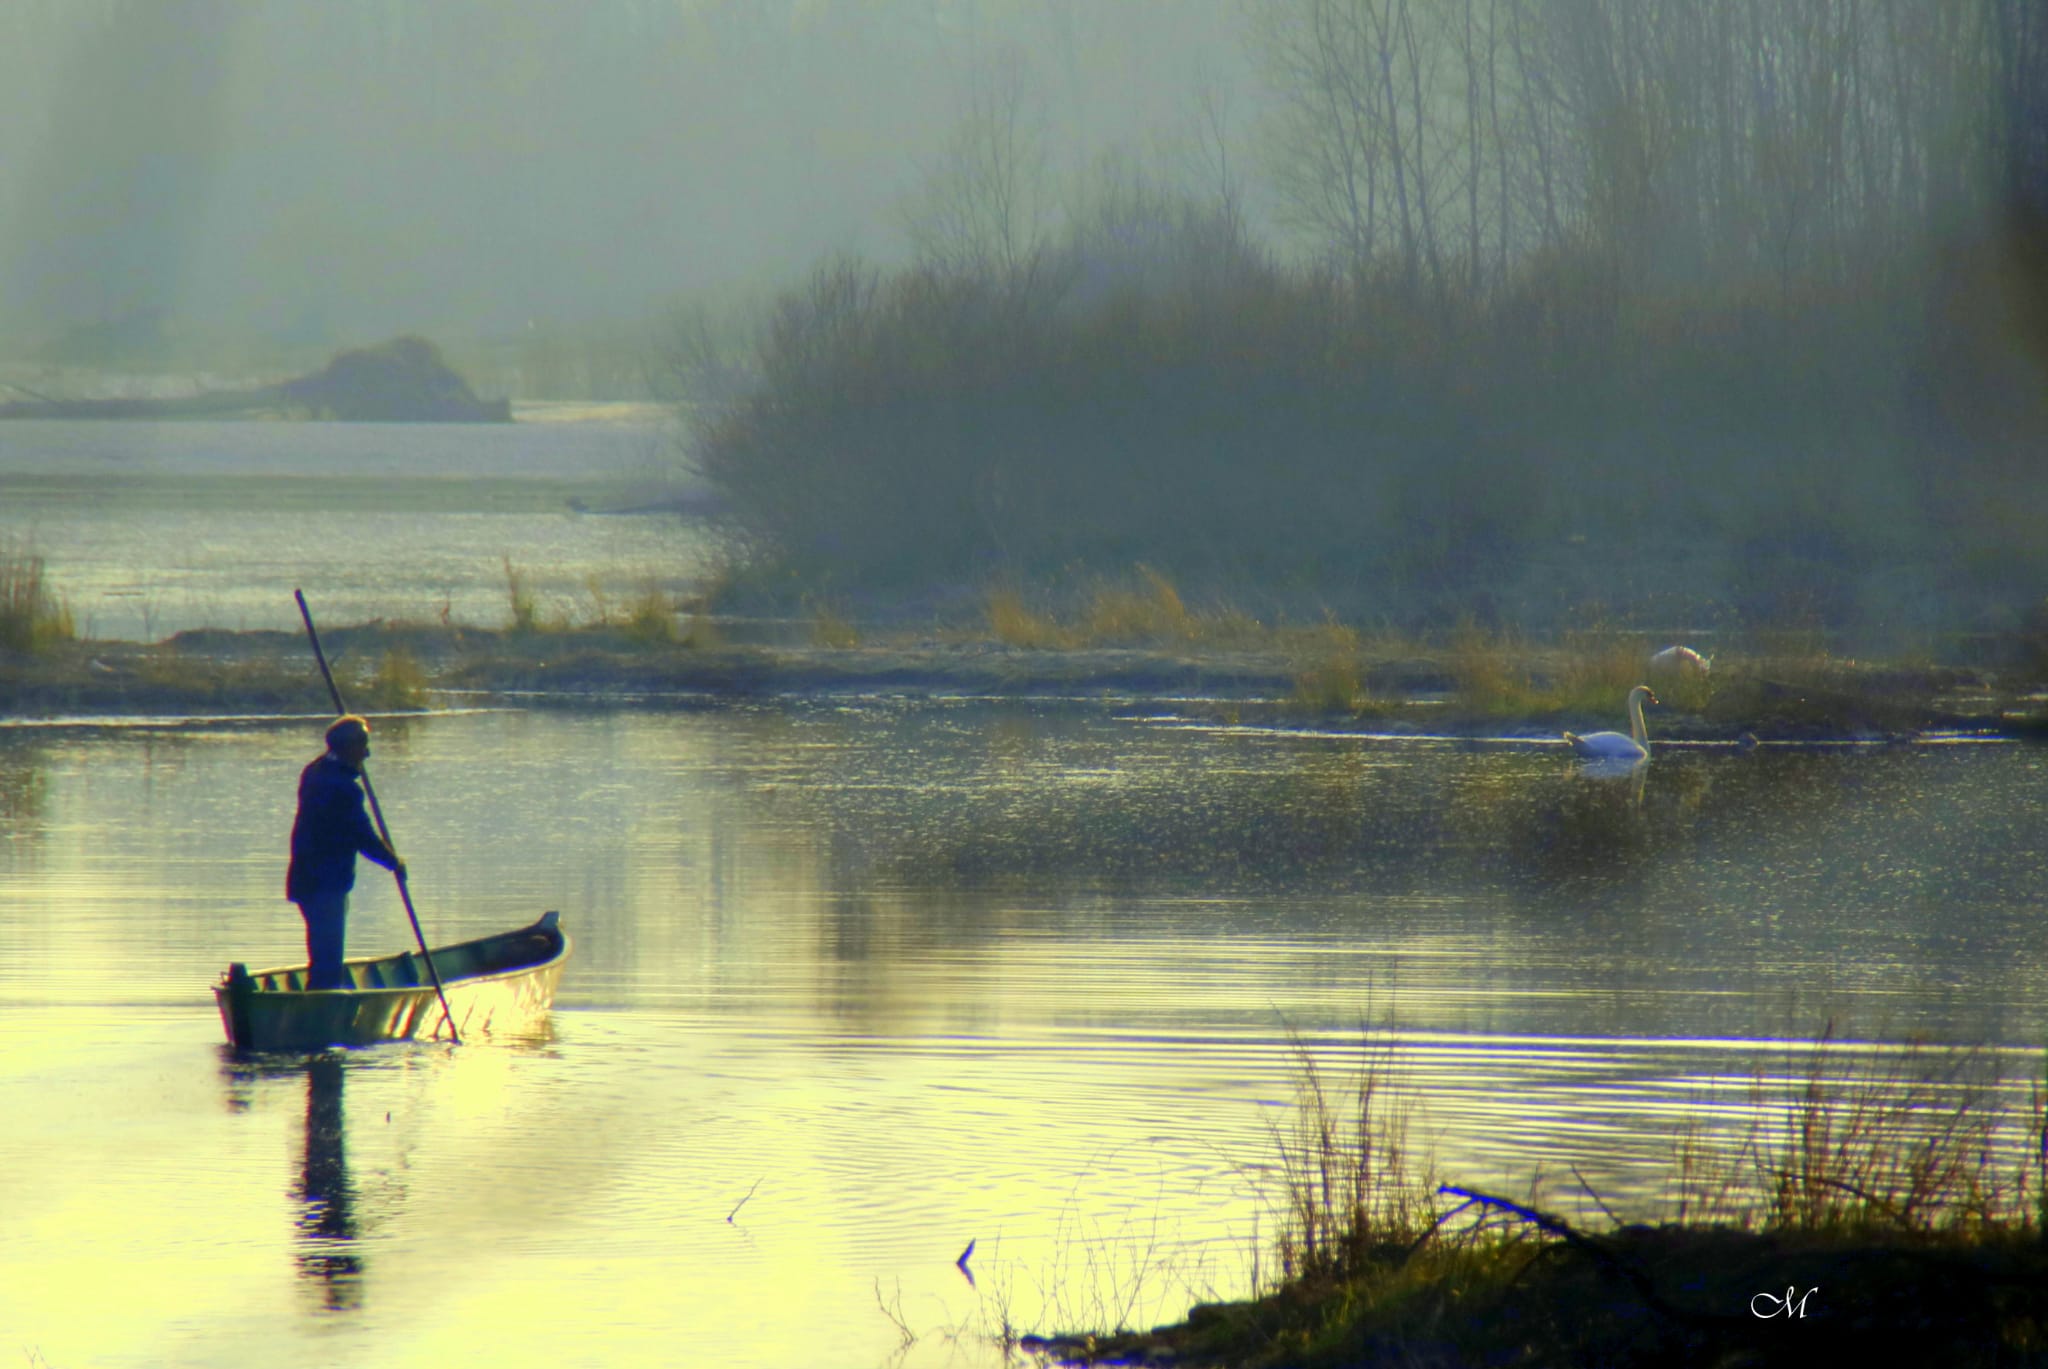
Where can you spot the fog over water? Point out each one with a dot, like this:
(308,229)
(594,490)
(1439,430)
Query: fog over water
(328,173)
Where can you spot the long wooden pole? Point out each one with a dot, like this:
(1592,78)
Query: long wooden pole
(377,812)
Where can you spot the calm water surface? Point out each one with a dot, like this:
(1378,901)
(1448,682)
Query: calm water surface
(856,983)
(147,529)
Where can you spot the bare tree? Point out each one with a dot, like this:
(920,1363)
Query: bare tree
(1405,132)
(981,207)
(1339,142)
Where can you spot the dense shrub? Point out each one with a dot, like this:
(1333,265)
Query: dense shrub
(1315,441)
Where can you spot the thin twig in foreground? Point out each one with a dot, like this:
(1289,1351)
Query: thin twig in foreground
(741,1203)
(1605,1210)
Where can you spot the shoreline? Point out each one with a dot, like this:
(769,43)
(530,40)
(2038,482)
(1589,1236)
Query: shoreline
(399,668)
(1632,1296)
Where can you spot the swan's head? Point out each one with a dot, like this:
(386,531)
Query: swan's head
(1643,694)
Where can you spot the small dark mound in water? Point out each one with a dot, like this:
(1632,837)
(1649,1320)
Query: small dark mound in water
(404,380)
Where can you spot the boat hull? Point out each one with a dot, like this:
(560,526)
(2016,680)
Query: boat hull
(496,985)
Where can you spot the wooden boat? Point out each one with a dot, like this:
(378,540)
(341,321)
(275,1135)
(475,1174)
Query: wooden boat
(496,985)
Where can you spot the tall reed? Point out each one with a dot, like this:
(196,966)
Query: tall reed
(31,616)
(1845,1138)
(1348,1187)
(1328,674)
(399,681)
(1150,610)
(650,617)
(1140,608)
(1903,1136)
(519,597)
(1859,1136)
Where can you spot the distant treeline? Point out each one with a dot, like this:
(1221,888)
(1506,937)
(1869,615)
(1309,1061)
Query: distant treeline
(1690,310)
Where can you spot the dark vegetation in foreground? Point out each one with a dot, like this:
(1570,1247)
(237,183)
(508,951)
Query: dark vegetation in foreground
(1883,1206)
(1632,1296)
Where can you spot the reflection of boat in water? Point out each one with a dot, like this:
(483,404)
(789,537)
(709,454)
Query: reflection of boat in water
(502,983)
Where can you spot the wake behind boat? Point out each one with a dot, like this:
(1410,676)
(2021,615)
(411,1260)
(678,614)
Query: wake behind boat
(495,984)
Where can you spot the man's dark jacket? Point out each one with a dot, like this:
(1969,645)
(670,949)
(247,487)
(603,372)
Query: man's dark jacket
(331,827)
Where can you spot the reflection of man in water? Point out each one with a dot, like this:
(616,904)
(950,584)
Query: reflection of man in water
(327,1220)
(331,827)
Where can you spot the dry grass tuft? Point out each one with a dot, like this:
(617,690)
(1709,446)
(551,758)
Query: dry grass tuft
(830,628)
(31,617)
(1860,1137)
(1015,623)
(1329,674)
(399,682)
(1347,1192)
(650,617)
(1491,672)
(1148,611)
(519,597)
(1143,609)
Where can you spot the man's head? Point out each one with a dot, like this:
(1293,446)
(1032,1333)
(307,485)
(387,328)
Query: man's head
(349,741)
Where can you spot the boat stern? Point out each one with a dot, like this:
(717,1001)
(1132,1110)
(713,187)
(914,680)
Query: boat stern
(232,996)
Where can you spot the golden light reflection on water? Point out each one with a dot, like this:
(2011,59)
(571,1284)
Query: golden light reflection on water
(857,986)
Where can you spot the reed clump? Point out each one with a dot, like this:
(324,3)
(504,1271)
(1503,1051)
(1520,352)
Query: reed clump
(1491,672)
(1013,622)
(649,617)
(399,682)
(1894,1194)
(1140,608)
(32,616)
(1329,672)
(1148,609)
(832,629)
(1586,671)
(1597,664)
(1349,1192)
(519,598)
(644,615)
(1868,1138)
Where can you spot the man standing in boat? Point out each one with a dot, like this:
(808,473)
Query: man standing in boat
(331,827)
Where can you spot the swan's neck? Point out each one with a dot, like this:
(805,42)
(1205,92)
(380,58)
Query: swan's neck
(1635,721)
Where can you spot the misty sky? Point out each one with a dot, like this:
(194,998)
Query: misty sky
(325,172)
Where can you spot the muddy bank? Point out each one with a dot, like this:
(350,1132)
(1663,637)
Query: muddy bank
(1641,1296)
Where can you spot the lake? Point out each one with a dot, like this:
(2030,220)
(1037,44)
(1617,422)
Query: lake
(148,529)
(858,981)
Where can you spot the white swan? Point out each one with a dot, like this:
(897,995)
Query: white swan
(1680,661)
(1632,746)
